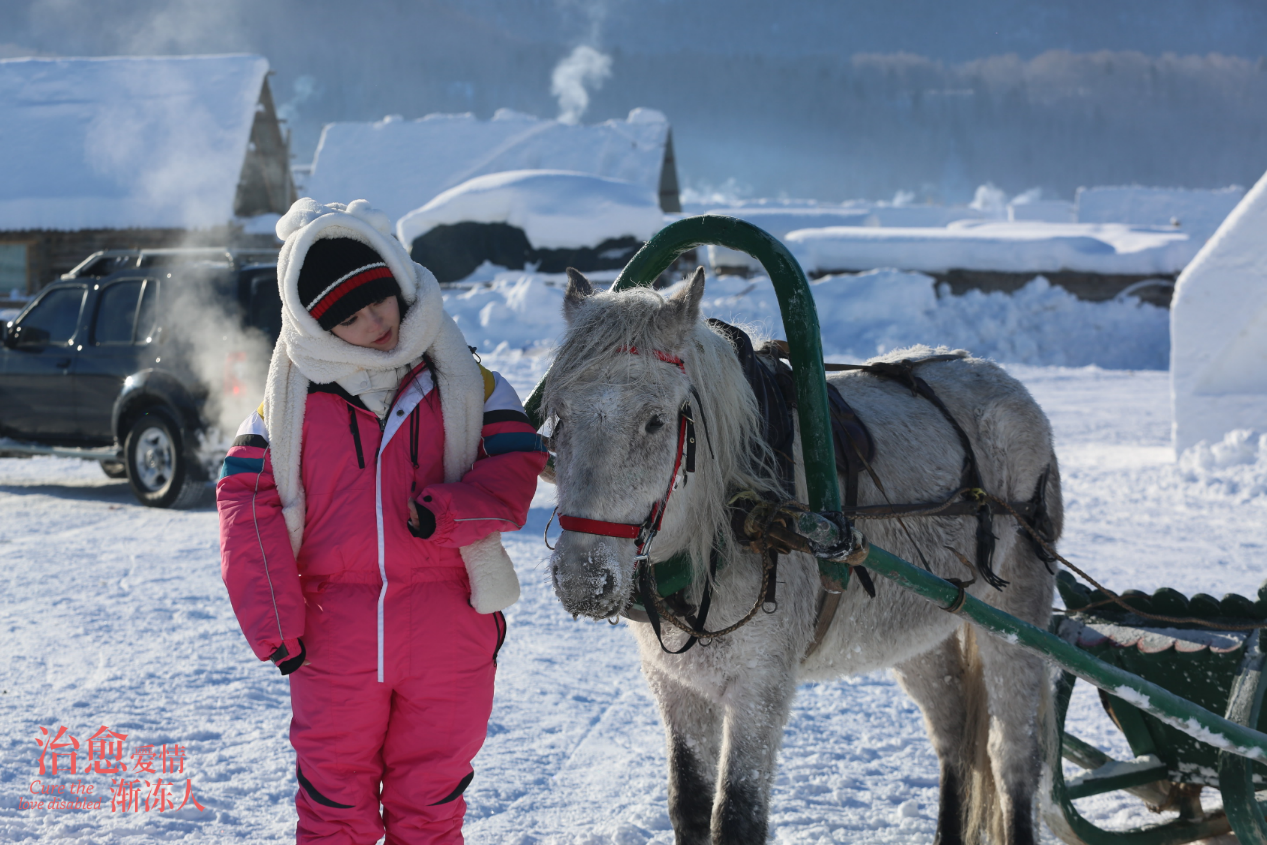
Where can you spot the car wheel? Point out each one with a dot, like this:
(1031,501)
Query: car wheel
(159,472)
(114,469)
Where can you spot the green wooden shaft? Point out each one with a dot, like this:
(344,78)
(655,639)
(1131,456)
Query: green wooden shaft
(1175,711)
(800,322)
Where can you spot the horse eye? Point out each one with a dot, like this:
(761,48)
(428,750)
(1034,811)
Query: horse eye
(654,424)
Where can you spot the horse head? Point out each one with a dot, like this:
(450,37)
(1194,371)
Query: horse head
(617,394)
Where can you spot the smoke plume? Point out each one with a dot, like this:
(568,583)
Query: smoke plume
(583,68)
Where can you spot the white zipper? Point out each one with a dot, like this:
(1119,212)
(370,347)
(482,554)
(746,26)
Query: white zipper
(395,418)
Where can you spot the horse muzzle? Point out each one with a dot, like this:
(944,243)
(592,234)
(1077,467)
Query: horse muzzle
(592,575)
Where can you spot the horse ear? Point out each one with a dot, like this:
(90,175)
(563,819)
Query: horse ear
(579,288)
(685,303)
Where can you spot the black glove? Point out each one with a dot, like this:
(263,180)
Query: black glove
(426,523)
(290,665)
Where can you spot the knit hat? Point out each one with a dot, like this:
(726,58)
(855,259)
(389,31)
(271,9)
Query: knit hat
(339,277)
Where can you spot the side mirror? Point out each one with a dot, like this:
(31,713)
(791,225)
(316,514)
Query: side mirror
(9,334)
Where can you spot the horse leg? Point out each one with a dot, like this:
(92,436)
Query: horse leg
(1016,685)
(752,734)
(1014,682)
(692,726)
(936,681)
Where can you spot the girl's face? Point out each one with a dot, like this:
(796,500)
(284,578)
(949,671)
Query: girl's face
(375,326)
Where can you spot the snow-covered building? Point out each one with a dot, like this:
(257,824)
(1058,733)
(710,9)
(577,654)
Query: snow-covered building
(1218,331)
(1091,261)
(552,219)
(1196,212)
(135,152)
(400,165)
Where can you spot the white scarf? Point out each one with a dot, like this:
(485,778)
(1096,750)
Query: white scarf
(306,353)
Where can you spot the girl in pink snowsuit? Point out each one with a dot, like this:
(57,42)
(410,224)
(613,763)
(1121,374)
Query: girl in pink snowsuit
(360,517)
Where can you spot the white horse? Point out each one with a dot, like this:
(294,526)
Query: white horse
(615,395)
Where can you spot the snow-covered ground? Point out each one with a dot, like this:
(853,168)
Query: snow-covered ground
(113,614)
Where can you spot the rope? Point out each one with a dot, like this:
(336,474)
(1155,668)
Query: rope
(1114,598)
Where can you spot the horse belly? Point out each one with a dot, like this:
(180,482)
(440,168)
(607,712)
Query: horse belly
(872,634)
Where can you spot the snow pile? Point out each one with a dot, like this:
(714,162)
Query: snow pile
(125,142)
(1218,327)
(1001,246)
(403,164)
(1234,467)
(862,316)
(1198,213)
(871,313)
(521,311)
(554,208)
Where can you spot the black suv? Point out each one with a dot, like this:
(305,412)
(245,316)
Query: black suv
(117,362)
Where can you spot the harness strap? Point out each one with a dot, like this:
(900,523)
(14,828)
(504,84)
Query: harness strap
(623,530)
(646,592)
(903,372)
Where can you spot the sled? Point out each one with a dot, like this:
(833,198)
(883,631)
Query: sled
(1180,743)
(1218,668)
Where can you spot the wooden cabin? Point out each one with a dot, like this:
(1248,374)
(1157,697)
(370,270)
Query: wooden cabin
(134,152)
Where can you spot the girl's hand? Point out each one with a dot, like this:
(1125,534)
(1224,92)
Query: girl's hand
(422,522)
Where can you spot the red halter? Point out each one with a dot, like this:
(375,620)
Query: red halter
(645,531)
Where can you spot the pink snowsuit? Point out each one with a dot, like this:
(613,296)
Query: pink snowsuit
(398,684)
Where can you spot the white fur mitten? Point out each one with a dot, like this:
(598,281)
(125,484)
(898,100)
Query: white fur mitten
(494,584)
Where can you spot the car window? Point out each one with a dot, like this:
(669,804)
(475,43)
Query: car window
(53,320)
(147,316)
(116,314)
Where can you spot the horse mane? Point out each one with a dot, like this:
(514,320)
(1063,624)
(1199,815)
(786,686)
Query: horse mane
(740,459)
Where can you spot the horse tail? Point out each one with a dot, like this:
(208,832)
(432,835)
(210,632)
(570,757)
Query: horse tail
(983,814)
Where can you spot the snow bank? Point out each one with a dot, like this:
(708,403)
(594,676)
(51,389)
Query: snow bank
(515,311)
(864,315)
(1004,246)
(1218,326)
(867,314)
(403,164)
(554,208)
(125,142)
(1199,213)
(1234,467)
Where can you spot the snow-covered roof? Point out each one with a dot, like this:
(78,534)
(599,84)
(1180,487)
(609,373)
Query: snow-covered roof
(1218,331)
(124,142)
(554,208)
(1196,212)
(400,165)
(1002,246)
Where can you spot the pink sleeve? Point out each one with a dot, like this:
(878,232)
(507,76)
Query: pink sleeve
(256,561)
(495,494)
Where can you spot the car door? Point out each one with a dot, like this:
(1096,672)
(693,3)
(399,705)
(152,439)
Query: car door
(36,387)
(117,345)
